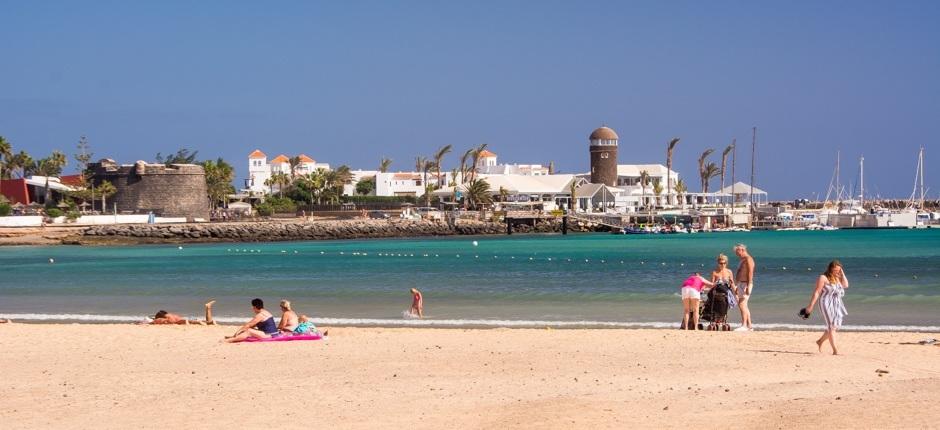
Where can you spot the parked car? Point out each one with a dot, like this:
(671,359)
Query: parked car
(378,215)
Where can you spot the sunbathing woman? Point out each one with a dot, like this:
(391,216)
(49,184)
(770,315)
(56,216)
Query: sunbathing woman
(289,320)
(261,326)
(163,317)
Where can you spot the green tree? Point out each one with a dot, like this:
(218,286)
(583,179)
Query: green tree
(701,167)
(476,157)
(464,170)
(644,182)
(384,164)
(681,189)
(710,171)
(6,153)
(182,156)
(478,195)
(438,159)
(670,147)
(294,164)
(366,186)
(658,191)
(51,166)
(219,177)
(724,161)
(573,190)
(22,164)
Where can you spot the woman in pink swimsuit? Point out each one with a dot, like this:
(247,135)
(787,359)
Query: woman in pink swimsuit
(691,294)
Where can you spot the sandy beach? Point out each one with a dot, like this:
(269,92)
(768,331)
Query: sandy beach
(126,376)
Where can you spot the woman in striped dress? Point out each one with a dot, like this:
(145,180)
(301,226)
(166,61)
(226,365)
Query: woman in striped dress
(830,287)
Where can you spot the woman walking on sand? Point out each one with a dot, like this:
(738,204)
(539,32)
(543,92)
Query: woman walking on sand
(830,287)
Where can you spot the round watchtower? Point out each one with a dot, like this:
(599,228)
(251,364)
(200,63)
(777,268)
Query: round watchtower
(604,142)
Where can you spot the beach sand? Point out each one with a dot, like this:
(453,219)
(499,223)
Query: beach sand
(125,376)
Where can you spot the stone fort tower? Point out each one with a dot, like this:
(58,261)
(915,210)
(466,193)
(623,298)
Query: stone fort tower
(604,143)
(178,190)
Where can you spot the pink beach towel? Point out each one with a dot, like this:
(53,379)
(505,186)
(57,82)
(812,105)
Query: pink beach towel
(286,338)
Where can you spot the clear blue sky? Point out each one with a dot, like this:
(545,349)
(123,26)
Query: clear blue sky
(349,82)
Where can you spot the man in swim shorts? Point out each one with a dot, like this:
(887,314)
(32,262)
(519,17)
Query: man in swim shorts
(745,284)
(163,317)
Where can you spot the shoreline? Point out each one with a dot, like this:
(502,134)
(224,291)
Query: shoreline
(128,376)
(464,324)
(259,231)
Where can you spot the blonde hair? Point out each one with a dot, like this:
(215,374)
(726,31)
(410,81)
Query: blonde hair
(830,271)
(285,304)
(723,258)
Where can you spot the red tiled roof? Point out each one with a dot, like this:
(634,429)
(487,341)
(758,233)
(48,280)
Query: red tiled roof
(487,153)
(305,159)
(257,154)
(280,159)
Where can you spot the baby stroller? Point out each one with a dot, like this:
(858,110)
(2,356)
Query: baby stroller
(714,308)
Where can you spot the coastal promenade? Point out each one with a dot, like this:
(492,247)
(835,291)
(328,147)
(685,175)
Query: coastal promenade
(127,376)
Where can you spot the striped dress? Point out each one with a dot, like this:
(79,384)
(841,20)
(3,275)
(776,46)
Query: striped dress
(830,303)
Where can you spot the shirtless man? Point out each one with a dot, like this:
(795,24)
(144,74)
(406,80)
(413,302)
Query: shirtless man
(163,317)
(745,284)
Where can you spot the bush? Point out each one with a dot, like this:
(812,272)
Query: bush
(264,209)
(53,212)
(72,215)
(280,205)
(5,209)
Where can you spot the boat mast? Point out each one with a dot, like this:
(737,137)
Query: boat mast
(838,179)
(920,173)
(734,151)
(861,181)
(753,149)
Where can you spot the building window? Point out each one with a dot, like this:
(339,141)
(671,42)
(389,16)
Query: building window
(603,155)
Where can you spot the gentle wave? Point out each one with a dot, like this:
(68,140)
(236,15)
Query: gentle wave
(482,323)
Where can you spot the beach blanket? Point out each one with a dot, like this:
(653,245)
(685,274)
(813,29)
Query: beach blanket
(286,338)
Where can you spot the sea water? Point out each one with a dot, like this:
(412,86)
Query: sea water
(578,280)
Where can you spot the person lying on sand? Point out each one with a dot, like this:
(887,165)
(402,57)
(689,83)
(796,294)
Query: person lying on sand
(163,317)
(5,321)
(260,326)
(306,326)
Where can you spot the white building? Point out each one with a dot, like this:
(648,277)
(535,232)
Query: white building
(487,164)
(546,192)
(260,170)
(406,183)
(631,195)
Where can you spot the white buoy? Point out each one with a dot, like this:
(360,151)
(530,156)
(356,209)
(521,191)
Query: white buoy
(458,255)
(179,247)
(295,252)
(784,267)
(322,252)
(475,243)
(51,260)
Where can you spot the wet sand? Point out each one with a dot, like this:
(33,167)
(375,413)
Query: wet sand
(126,376)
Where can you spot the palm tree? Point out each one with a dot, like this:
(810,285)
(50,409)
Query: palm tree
(384,164)
(51,166)
(724,160)
(710,171)
(438,158)
(701,166)
(476,157)
(658,190)
(6,151)
(573,190)
(463,165)
(270,184)
(478,195)
(294,164)
(425,169)
(681,190)
(644,181)
(219,175)
(105,189)
(670,147)
(23,163)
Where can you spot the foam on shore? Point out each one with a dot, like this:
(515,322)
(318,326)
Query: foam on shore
(458,323)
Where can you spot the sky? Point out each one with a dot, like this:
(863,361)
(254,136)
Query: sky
(351,82)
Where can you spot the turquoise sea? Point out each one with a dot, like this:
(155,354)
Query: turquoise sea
(589,280)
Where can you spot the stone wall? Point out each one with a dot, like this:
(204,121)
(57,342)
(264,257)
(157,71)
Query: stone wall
(178,190)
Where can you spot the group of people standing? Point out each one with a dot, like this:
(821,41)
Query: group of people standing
(741,283)
(828,292)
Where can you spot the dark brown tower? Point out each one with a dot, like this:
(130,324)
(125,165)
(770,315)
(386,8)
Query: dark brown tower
(604,156)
